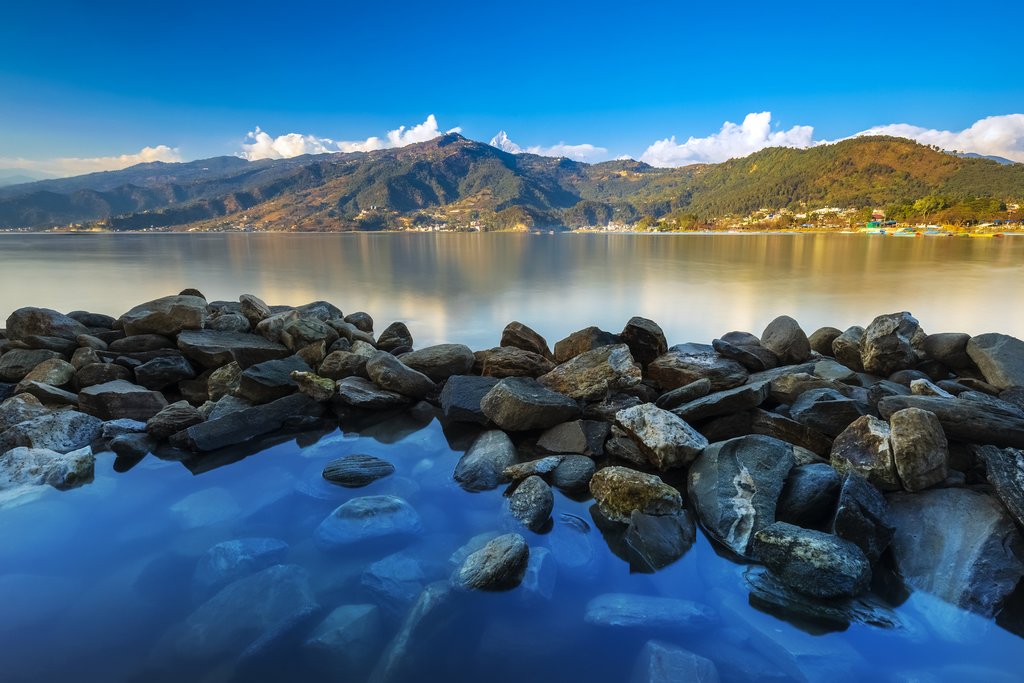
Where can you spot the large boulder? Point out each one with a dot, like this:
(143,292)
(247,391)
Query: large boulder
(63,431)
(24,466)
(865,448)
(948,348)
(735,486)
(117,399)
(621,491)
(168,315)
(812,562)
(365,519)
(665,438)
(920,451)
(523,337)
(345,642)
(594,374)
(246,423)
(521,403)
(441,361)
(1000,358)
(499,565)
(270,380)
(963,419)
(809,496)
(15,364)
(686,364)
(232,560)
(482,467)
(19,408)
(212,349)
(957,544)
(42,322)
(785,338)
(645,339)
(886,346)
(392,374)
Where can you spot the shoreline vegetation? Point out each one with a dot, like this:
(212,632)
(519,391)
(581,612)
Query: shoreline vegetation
(833,462)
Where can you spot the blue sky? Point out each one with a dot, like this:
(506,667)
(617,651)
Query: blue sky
(83,80)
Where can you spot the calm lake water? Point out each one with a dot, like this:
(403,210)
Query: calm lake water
(102,583)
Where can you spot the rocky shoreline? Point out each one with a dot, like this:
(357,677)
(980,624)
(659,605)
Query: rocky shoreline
(822,459)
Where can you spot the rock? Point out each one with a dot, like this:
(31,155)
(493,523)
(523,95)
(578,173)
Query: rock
(585,437)
(809,495)
(1000,358)
(660,662)
(341,364)
(787,388)
(355,471)
(1004,470)
(316,387)
(460,399)
(787,340)
(681,366)
(645,339)
(735,486)
(626,610)
(350,333)
(93,320)
(593,374)
(684,394)
(924,387)
(886,345)
(583,340)
(365,519)
(270,380)
(967,534)
(726,402)
(65,347)
(510,361)
(424,626)
(22,466)
(862,517)
(833,371)
(619,491)
(346,639)
(964,420)
(483,465)
(117,399)
(847,348)
(499,565)
(20,408)
(821,339)
(271,327)
(772,424)
(84,356)
(224,381)
(101,373)
(168,315)
(521,403)
(50,395)
(133,446)
(573,473)
(63,431)
(141,343)
(362,321)
(919,448)
(254,309)
(229,322)
(212,349)
(303,331)
(42,322)
(532,502)
(522,337)
(391,374)
(949,348)
(230,561)
(362,393)
(812,562)
(55,372)
(242,425)
(441,361)
(666,439)
(541,467)
(826,411)
(173,419)
(865,448)
(161,373)
(656,541)
(395,335)
(17,363)
(745,349)
(246,613)
(394,581)
(226,405)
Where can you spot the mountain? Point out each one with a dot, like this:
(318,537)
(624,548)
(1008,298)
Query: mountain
(973,155)
(18,176)
(459,182)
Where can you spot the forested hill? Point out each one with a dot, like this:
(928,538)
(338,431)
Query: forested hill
(461,182)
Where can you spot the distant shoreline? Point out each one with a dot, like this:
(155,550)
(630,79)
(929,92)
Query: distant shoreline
(704,233)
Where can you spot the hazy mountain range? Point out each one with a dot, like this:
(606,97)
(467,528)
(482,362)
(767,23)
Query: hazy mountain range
(458,181)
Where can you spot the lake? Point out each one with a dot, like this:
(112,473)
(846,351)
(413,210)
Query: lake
(109,582)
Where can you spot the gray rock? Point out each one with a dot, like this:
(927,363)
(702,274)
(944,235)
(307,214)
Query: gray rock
(394,336)
(173,419)
(520,336)
(886,346)
(862,517)
(949,348)
(117,399)
(391,374)
(253,308)
(460,399)
(65,347)
(1004,469)
(919,448)
(160,373)
(362,321)
(230,561)
(23,466)
(482,467)
(346,640)
(20,408)
(17,363)
(55,372)
(964,420)
(62,431)
(133,446)
(229,322)
(394,581)
(1000,358)
(84,356)
(787,340)
(627,610)
(654,542)
(847,348)
(573,473)
(424,627)
(362,393)
(242,425)
(645,339)
(521,403)
(367,518)
(270,380)
(48,394)
(787,388)
(226,405)
(684,394)
(592,375)
(141,343)
(782,428)
(585,437)
(583,340)
(168,315)
(829,369)
(865,448)
(542,467)
(826,411)
(101,373)
(114,428)
(660,662)
(726,402)
(966,533)
(511,361)
(809,496)
(499,565)
(683,365)
(821,339)
(735,486)
(212,349)
(300,332)
(621,491)
(811,562)
(42,322)
(924,387)
(93,320)
(441,361)
(355,471)
(666,439)
(342,364)
(224,381)
(532,502)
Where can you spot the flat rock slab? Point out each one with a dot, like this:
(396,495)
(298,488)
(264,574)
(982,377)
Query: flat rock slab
(270,380)
(964,420)
(355,471)
(522,403)
(118,399)
(1000,358)
(245,424)
(358,392)
(744,397)
(213,349)
(627,610)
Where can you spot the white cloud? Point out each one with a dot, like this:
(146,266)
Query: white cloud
(260,145)
(755,133)
(1001,136)
(69,166)
(584,152)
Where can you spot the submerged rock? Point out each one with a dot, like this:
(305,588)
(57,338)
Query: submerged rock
(62,431)
(812,562)
(660,662)
(627,610)
(499,565)
(619,491)
(347,640)
(665,438)
(232,560)
(355,471)
(483,466)
(367,518)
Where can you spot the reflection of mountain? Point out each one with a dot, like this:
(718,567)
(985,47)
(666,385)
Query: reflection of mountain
(460,182)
